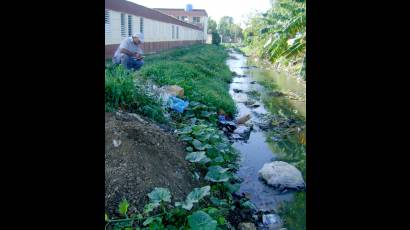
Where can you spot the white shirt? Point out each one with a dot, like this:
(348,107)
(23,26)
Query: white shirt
(128,44)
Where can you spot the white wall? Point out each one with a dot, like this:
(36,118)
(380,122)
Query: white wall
(154,31)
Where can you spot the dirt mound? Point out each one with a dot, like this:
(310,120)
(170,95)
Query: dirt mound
(145,157)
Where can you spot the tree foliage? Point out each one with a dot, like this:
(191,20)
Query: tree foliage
(212,26)
(280,32)
(229,30)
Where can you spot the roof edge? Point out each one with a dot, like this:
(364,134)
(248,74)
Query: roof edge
(173,20)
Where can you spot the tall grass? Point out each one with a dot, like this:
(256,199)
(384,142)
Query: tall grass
(199,69)
(123,90)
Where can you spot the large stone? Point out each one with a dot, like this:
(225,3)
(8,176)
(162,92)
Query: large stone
(246,226)
(282,175)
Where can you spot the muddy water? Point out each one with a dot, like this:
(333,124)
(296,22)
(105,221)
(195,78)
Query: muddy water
(256,151)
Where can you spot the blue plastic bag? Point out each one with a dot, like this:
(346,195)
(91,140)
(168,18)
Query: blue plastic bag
(178,104)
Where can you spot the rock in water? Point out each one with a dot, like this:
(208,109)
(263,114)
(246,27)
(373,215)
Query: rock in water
(246,226)
(282,175)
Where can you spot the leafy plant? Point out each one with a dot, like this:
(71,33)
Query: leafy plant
(217,174)
(280,34)
(160,194)
(197,157)
(123,207)
(199,220)
(126,92)
(194,197)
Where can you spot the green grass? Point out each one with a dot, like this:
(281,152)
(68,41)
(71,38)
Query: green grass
(199,69)
(295,213)
(124,91)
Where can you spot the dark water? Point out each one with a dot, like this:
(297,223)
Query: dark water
(256,151)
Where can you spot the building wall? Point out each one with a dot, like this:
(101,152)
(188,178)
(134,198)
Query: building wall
(156,32)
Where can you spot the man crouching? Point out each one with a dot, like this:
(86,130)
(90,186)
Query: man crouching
(129,53)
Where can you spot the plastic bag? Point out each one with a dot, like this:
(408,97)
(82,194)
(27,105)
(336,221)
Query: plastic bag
(177,104)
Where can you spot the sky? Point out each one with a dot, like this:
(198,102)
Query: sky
(238,9)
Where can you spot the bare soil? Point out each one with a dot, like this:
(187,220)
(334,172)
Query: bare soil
(147,157)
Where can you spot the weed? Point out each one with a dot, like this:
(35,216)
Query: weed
(200,70)
(123,90)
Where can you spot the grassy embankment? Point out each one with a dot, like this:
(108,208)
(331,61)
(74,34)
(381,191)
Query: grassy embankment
(202,72)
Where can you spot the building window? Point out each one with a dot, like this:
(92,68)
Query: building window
(173,32)
(195,19)
(177,32)
(107,17)
(141,25)
(107,24)
(184,18)
(123,31)
(129,25)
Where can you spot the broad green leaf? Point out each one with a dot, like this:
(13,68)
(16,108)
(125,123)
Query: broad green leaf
(248,204)
(189,149)
(217,174)
(186,204)
(186,138)
(194,197)
(186,130)
(199,220)
(204,137)
(160,194)
(150,207)
(198,145)
(218,202)
(222,147)
(207,146)
(218,159)
(149,220)
(197,157)
(212,152)
(123,207)
(218,169)
(198,193)
(106,217)
(232,187)
(221,220)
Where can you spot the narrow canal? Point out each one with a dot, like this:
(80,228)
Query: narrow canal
(271,99)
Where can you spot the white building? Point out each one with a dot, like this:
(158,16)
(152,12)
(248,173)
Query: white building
(198,17)
(161,31)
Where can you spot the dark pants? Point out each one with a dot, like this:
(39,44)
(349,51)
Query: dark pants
(131,62)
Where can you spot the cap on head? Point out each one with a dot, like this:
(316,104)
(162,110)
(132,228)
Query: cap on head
(140,36)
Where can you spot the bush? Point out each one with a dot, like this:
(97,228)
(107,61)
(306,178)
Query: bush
(216,39)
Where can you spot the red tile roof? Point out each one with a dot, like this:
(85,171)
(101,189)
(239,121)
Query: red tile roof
(182,12)
(142,11)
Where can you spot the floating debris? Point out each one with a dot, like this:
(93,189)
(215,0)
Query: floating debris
(116,143)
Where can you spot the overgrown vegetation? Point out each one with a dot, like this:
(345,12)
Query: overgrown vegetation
(123,90)
(206,207)
(279,35)
(199,69)
(202,72)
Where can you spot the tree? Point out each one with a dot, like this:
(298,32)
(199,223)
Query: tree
(224,27)
(235,32)
(216,39)
(212,26)
(280,33)
(228,30)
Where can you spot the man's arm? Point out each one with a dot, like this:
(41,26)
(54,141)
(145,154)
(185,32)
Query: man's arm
(125,51)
